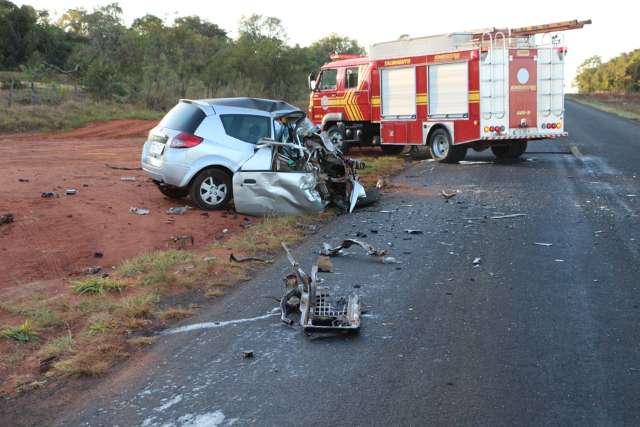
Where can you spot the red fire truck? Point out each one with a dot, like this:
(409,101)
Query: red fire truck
(493,88)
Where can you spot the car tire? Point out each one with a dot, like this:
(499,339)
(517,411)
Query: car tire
(392,150)
(334,134)
(173,192)
(442,148)
(211,189)
(512,151)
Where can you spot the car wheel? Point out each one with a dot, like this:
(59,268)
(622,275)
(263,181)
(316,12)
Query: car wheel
(442,148)
(173,192)
(392,150)
(336,137)
(512,151)
(211,189)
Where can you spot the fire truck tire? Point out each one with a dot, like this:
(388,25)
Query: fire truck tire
(514,150)
(392,149)
(443,150)
(338,140)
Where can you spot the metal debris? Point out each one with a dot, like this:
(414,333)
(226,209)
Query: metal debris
(71,192)
(128,178)
(49,195)
(543,244)
(477,261)
(319,310)
(447,195)
(516,215)
(139,211)
(247,354)
(327,250)
(92,270)
(7,218)
(413,231)
(178,211)
(234,258)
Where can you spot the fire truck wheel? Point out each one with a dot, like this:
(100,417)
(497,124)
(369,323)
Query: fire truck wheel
(512,151)
(443,150)
(336,137)
(392,149)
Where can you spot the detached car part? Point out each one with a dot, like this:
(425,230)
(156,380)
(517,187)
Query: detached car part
(319,309)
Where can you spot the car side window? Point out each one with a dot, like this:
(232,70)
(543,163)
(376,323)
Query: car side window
(351,80)
(328,79)
(246,127)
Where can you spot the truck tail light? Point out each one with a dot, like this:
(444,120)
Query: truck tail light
(492,128)
(186,140)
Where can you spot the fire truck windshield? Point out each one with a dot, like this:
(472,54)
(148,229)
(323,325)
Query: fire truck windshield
(328,79)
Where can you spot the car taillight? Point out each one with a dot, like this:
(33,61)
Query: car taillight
(185,140)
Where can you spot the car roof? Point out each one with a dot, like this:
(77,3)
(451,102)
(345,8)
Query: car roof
(273,107)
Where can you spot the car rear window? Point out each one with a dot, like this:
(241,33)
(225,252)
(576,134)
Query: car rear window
(246,127)
(184,117)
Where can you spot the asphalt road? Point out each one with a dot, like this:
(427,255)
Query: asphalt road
(534,335)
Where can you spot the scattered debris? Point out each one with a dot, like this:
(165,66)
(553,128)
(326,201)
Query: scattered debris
(98,254)
(71,192)
(558,260)
(92,270)
(390,260)
(234,258)
(413,231)
(324,264)
(49,195)
(447,195)
(319,310)
(247,354)
(210,258)
(7,218)
(327,250)
(380,183)
(128,178)
(477,261)
(23,180)
(178,211)
(246,223)
(139,211)
(183,240)
(543,244)
(516,215)
(122,168)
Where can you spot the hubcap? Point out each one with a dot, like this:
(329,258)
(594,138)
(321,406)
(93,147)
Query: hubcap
(440,146)
(213,192)
(336,137)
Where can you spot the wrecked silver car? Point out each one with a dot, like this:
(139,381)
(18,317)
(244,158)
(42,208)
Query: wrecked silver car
(261,153)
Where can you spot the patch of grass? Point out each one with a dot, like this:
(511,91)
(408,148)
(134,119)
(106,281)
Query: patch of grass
(265,237)
(57,346)
(214,293)
(141,341)
(137,306)
(93,362)
(380,166)
(157,262)
(174,313)
(621,105)
(22,333)
(67,115)
(96,285)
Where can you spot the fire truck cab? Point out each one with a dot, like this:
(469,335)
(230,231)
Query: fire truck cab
(481,89)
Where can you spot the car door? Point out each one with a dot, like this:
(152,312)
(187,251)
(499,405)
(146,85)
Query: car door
(259,189)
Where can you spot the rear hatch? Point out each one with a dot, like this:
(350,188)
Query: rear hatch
(523,89)
(185,117)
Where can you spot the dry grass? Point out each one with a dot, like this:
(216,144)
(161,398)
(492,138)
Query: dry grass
(380,166)
(174,313)
(626,106)
(67,115)
(96,285)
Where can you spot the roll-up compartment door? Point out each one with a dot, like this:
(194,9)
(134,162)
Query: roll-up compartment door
(449,90)
(398,93)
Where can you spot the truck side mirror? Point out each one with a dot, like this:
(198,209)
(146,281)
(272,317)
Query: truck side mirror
(311,81)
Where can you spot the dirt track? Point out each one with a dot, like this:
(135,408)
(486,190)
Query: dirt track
(54,238)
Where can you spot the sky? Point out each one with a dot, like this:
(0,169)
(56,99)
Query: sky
(614,28)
